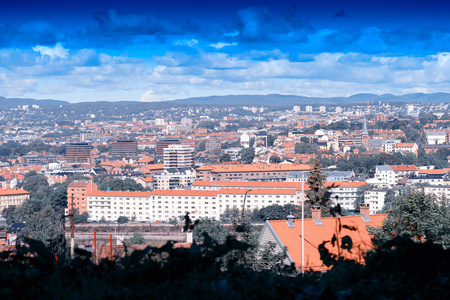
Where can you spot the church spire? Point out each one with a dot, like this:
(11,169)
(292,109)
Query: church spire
(364,129)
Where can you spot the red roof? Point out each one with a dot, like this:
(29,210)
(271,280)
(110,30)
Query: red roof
(317,234)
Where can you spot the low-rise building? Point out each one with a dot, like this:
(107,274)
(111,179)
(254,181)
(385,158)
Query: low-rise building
(12,197)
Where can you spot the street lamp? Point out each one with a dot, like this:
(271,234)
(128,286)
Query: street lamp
(243,205)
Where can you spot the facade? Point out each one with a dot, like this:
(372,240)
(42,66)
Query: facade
(345,193)
(123,149)
(12,197)
(262,172)
(173,204)
(375,199)
(77,192)
(392,174)
(435,137)
(407,147)
(161,144)
(178,156)
(174,179)
(212,145)
(79,153)
(111,205)
(440,191)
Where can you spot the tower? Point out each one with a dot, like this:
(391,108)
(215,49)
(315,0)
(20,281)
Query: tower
(364,134)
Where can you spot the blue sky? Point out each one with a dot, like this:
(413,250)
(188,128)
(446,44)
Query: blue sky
(155,50)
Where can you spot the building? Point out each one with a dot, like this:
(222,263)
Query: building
(333,176)
(345,193)
(161,144)
(174,179)
(124,148)
(77,194)
(296,108)
(13,232)
(317,230)
(12,197)
(435,137)
(375,198)
(308,108)
(380,118)
(79,153)
(364,134)
(110,205)
(212,145)
(391,174)
(262,172)
(407,147)
(178,156)
(440,191)
(322,109)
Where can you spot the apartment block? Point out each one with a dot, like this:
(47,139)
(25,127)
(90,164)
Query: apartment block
(178,156)
(77,194)
(12,197)
(79,153)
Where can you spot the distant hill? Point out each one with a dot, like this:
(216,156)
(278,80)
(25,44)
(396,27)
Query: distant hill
(254,100)
(280,100)
(14,102)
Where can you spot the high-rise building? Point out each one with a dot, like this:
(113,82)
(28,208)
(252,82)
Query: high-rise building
(296,108)
(79,152)
(308,108)
(178,156)
(338,109)
(124,148)
(322,108)
(161,144)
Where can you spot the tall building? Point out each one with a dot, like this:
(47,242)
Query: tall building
(79,152)
(296,108)
(365,134)
(161,144)
(178,156)
(124,148)
(308,108)
(322,109)
(338,109)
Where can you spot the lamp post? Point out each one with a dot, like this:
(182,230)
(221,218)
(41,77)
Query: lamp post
(243,205)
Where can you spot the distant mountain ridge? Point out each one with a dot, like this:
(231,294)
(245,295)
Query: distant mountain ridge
(254,100)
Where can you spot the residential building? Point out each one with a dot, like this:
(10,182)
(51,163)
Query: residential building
(375,198)
(407,147)
(174,179)
(77,192)
(110,205)
(308,108)
(263,172)
(345,193)
(440,191)
(212,145)
(435,137)
(178,156)
(391,174)
(161,144)
(12,197)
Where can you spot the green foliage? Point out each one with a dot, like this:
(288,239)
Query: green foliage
(275,159)
(417,216)
(80,218)
(247,155)
(276,212)
(116,184)
(317,193)
(137,239)
(304,148)
(122,220)
(212,228)
(230,215)
(225,158)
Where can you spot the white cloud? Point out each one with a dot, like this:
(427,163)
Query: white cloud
(56,52)
(220,45)
(150,96)
(190,43)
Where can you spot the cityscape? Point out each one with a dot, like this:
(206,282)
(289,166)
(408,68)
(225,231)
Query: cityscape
(212,149)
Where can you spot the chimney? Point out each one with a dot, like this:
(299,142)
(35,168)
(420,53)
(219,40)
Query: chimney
(364,209)
(290,220)
(316,214)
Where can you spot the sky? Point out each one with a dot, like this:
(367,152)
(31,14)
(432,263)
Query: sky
(163,50)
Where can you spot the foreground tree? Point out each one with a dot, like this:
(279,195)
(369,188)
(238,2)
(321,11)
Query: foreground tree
(137,239)
(418,216)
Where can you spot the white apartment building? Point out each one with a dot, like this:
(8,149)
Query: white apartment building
(178,156)
(308,108)
(407,147)
(391,174)
(110,205)
(173,204)
(345,193)
(435,137)
(375,198)
(440,191)
(322,108)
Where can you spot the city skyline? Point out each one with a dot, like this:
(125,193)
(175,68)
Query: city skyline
(79,51)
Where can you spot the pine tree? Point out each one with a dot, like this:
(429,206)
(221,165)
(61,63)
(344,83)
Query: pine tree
(318,195)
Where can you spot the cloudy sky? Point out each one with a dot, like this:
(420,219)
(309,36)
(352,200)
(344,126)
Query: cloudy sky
(163,50)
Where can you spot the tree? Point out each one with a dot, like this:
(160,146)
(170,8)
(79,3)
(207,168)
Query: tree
(274,159)
(80,218)
(230,215)
(247,155)
(360,196)
(137,239)
(122,220)
(415,215)
(225,158)
(212,228)
(317,194)
(302,148)
(276,212)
